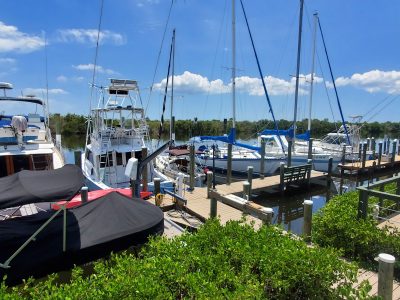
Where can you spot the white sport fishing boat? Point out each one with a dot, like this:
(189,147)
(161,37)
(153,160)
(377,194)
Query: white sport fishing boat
(117,131)
(25,139)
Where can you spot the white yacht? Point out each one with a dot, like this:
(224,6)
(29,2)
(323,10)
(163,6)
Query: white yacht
(25,139)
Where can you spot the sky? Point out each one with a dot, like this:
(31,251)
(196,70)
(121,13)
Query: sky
(53,43)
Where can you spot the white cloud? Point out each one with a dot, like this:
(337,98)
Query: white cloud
(40,91)
(195,83)
(90,36)
(62,78)
(373,81)
(100,69)
(7,61)
(13,40)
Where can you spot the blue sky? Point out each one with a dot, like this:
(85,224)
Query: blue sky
(362,39)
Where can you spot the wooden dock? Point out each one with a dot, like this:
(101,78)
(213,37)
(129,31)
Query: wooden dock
(384,167)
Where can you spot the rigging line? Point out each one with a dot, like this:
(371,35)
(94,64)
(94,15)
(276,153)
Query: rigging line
(327,93)
(158,57)
(262,76)
(390,102)
(333,81)
(160,129)
(376,105)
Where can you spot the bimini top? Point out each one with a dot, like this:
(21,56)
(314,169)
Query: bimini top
(22,99)
(27,187)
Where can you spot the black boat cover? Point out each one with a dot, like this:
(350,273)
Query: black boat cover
(94,229)
(27,187)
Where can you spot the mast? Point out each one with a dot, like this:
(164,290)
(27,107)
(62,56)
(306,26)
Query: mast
(233,65)
(312,71)
(296,94)
(172,125)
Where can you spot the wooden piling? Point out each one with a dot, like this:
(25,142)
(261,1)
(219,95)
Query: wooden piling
(282,173)
(310,147)
(84,194)
(229,165)
(246,190)
(250,176)
(192,168)
(78,158)
(364,154)
(289,157)
(157,185)
(329,178)
(209,183)
(269,212)
(373,147)
(394,148)
(309,162)
(145,175)
(368,143)
(262,160)
(360,151)
(379,153)
(308,204)
(385,276)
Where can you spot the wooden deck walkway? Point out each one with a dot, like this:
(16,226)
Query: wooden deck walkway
(357,166)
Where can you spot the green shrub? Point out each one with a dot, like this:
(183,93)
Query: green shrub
(336,225)
(217,262)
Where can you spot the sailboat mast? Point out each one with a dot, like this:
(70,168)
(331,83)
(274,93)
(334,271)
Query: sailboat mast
(233,64)
(296,93)
(312,71)
(172,121)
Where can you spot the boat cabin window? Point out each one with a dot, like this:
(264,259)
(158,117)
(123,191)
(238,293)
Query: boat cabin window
(106,162)
(119,158)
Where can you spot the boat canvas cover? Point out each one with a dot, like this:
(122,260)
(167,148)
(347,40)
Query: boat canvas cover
(27,187)
(94,229)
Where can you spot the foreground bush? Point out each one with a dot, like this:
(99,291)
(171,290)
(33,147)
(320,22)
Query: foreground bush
(217,262)
(336,225)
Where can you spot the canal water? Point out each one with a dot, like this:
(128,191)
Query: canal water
(288,212)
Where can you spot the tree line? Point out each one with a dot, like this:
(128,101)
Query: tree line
(73,124)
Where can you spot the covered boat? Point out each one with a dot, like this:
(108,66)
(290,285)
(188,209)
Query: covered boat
(51,241)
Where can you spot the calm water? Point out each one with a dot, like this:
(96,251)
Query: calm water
(288,211)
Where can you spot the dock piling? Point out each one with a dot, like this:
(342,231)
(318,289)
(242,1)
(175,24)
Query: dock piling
(209,183)
(84,194)
(282,174)
(364,154)
(379,153)
(78,158)
(213,207)
(246,190)
(262,161)
(250,176)
(394,148)
(329,178)
(157,184)
(269,212)
(289,157)
(308,204)
(145,175)
(310,147)
(373,147)
(192,167)
(385,276)
(229,165)
(368,143)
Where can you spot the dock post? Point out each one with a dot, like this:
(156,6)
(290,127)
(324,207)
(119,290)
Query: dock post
(282,182)
(269,212)
(78,158)
(362,204)
(145,175)
(308,204)
(209,183)
(360,151)
(246,190)
(213,207)
(310,147)
(394,148)
(192,167)
(262,161)
(250,176)
(229,165)
(157,186)
(372,174)
(373,147)
(364,155)
(84,194)
(368,143)
(289,157)
(309,162)
(343,154)
(329,178)
(385,276)
(379,153)
(384,144)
